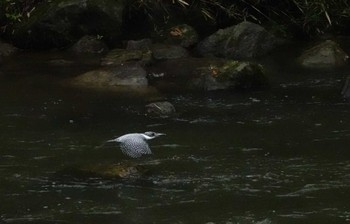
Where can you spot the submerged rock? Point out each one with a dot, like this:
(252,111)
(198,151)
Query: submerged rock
(89,44)
(130,74)
(323,55)
(125,170)
(56,24)
(160,109)
(245,40)
(122,56)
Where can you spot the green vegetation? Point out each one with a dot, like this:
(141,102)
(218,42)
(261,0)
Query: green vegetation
(14,11)
(307,17)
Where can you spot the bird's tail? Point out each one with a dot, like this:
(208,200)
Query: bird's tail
(112,140)
(103,144)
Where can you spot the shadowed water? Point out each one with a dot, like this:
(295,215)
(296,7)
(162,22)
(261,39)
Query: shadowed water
(277,156)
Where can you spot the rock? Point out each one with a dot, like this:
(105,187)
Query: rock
(183,35)
(57,24)
(243,41)
(122,75)
(231,75)
(160,109)
(164,52)
(176,73)
(346,88)
(265,221)
(7,49)
(121,56)
(105,171)
(89,44)
(144,44)
(323,55)
(61,62)
(207,74)
(181,68)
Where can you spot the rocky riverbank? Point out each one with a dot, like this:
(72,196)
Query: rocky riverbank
(228,59)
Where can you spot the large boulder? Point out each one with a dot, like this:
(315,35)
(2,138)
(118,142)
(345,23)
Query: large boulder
(245,40)
(121,75)
(56,24)
(323,55)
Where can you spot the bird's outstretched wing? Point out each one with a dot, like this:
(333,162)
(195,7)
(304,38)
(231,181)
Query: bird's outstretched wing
(135,147)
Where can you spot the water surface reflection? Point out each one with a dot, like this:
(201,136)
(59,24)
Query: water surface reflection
(279,156)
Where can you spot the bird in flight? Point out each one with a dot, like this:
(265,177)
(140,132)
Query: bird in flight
(135,144)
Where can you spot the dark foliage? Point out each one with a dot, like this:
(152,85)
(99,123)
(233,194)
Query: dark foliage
(287,17)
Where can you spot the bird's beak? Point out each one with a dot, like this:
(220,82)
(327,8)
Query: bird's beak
(160,134)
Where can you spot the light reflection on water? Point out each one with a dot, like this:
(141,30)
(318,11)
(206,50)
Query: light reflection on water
(279,156)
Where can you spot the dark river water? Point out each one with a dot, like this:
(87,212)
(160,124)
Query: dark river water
(276,156)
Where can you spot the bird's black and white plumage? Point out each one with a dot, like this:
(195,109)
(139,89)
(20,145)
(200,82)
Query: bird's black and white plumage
(135,144)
